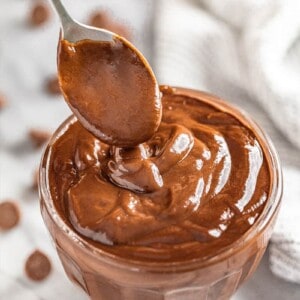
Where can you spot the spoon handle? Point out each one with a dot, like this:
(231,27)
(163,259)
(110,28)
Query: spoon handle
(65,18)
(74,31)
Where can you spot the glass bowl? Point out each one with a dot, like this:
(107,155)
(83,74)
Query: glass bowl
(106,276)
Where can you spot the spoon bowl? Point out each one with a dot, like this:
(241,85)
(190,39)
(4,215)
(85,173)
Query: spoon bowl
(107,83)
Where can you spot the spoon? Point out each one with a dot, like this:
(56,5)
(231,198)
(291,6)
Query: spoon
(107,83)
(74,31)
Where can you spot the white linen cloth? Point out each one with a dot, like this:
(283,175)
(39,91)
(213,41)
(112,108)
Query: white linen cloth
(247,52)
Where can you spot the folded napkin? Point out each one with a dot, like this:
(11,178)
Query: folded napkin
(248,52)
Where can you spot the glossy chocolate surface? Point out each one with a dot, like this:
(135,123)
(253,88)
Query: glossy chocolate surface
(196,186)
(111,89)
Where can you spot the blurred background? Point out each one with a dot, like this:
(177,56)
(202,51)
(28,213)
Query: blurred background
(247,52)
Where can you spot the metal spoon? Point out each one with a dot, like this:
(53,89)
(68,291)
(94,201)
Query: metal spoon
(74,31)
(121,103)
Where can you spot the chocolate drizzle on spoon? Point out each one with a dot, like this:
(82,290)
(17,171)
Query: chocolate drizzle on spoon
(111,89)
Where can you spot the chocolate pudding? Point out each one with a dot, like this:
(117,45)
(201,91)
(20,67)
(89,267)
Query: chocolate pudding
(185,215)
(196,186)
(150,194)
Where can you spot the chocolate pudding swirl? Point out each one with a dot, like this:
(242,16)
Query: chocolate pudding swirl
(196,186)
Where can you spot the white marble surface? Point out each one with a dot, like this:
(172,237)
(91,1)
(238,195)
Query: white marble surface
(27,57)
